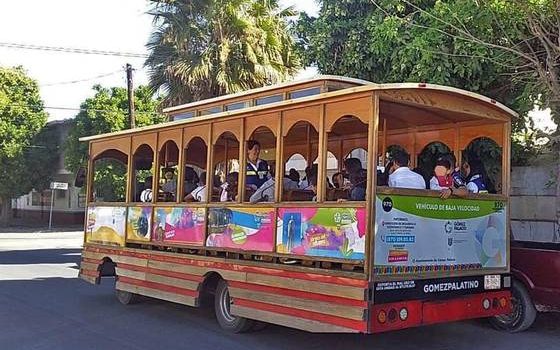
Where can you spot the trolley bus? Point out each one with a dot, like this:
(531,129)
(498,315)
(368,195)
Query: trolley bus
(309,255)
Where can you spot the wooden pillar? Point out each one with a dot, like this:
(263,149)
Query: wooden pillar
(373,128)
(322,155)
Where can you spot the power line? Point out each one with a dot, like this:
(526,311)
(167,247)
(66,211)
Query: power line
(81,80)
(72,50)
(82,109)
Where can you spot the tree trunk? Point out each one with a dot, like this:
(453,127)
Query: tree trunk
(5,210)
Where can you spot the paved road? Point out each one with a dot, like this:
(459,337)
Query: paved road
(44,306)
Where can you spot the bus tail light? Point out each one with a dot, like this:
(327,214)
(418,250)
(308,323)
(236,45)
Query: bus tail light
(403,314)
(382,317)
(503,302)
(486,304)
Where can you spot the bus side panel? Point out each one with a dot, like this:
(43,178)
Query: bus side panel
(315,302)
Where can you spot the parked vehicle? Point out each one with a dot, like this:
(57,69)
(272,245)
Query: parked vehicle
(535,268)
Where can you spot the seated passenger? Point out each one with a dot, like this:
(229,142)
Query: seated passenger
(357,177)
(265,193)
(257,170)
(338,180)
(446,179)
(383,177)
(229,188)
(146,195)
(291,180)
(400,174)
(473,173)
(199,193)
(191,180)
(310,171)
(170,185)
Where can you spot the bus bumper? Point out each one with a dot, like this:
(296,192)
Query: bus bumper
(412,313)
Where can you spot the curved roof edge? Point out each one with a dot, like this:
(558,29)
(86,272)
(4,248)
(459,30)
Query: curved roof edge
(267,88)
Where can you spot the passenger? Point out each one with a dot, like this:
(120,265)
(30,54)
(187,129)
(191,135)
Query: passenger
(199,193)
(446,179)
(310,172)
(473,173)
(191,180)
(338,180)
(291,181)
(400,175)
(357,177)
(170,184)
(229,188)
(265,193)
(383,178)
(146,195)
(257,172)
(421,172)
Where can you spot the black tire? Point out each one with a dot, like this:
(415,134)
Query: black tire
(227,321)
(126,298)
(523,312)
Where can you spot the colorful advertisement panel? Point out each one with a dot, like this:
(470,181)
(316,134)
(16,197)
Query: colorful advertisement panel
(328,232)
(139,224)
(244,229)
(106,225)
(179,225)
(425,234)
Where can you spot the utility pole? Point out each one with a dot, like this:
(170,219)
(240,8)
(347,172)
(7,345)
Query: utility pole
(130,95)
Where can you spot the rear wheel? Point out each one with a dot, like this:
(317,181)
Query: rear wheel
(126,298)
(523,311)
(227,321)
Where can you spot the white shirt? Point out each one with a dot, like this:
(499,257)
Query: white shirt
(146,195)
(265,193)
(403,177)
(199,194)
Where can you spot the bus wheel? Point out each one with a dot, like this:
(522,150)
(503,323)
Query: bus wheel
(523,311)
(227,321)
(126,298)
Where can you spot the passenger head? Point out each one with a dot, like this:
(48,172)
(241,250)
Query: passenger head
(253,150)
(169,174)
(472,167)
(451,158)
(232,178)
(352,165)
(443,166)
(190,175)
(293,175)
(338,180)
(400,159)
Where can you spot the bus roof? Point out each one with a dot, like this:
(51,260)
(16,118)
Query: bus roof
(352,86)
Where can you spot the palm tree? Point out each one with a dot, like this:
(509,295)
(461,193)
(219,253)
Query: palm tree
(206,48)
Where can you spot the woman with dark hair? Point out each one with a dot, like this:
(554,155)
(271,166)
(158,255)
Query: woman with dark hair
(357,177)
(474,174)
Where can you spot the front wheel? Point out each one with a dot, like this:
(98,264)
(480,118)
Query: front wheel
(523,311)
(227,321)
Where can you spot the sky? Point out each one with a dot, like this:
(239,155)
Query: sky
(65,79)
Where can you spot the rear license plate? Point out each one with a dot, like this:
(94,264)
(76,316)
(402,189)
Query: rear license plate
(492,282)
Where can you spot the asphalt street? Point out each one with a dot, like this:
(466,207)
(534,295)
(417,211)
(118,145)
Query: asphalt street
(43,305)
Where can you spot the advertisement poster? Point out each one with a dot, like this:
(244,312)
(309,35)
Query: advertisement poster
(420,234)
(179,225)
(139,223)
(106,225)
(245,229)
(329,232)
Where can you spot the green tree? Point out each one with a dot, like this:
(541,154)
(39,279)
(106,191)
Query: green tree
(206,48)
(21,118)
(107,111)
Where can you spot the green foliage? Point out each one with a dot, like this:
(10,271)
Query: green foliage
(109,180)
(21,118)
(202,49)
(482,46)
(107,111)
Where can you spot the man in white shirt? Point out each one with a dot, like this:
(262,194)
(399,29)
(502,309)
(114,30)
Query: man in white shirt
(402,176)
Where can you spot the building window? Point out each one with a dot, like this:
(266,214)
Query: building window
(181,116)
(304,92)
(212,110)
(237,105)
(268,99)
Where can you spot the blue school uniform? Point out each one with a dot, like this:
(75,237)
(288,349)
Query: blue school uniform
(256,174)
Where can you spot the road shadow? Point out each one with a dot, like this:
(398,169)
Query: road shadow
(40,256)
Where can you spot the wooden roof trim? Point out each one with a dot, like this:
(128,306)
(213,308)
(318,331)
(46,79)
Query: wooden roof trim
(313,98)
(295,83)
